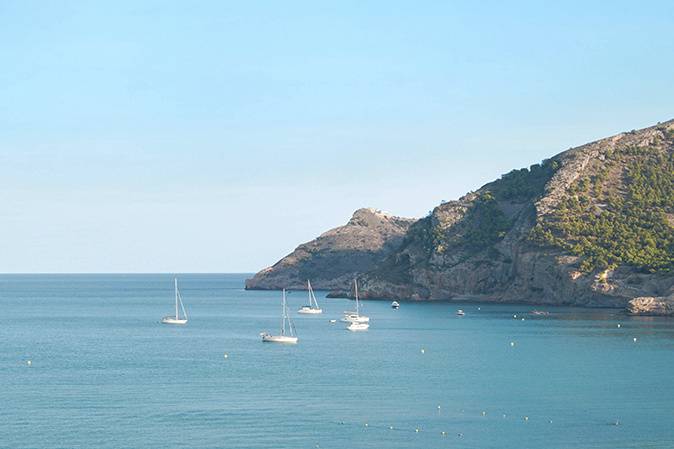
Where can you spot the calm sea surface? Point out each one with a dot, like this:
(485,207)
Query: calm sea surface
(106,374)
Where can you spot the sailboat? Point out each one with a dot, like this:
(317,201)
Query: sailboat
(286,325)
(312,308)
(353,327)
(355,317)
(176,319)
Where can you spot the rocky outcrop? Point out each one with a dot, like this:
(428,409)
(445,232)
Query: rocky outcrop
(481,247)
(651,306)
(332,260)
(592,226)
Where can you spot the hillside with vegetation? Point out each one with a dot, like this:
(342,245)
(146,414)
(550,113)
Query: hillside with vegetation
(593,226)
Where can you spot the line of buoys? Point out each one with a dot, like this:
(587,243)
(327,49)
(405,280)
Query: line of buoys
(417,429)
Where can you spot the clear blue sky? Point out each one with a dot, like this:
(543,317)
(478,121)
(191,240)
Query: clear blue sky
(152,136)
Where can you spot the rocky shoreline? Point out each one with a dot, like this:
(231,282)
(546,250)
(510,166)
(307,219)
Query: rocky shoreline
(540,235)
(651,306)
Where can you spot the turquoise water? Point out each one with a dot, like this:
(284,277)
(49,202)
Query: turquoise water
(106,374)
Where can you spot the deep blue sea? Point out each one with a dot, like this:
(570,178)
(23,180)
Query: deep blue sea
(106,374)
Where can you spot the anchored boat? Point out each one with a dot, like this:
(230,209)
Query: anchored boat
(176,319)
(354,327)
(312,308)
(355,317)
(288,334)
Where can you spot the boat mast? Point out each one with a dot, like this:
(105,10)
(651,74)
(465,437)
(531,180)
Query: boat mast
(355,286)
(312,298)
(175,281)
(283,314)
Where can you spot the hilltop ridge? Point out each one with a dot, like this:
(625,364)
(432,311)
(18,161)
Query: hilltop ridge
(592,226)
(334,258)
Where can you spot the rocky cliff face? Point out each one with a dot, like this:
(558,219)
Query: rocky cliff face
(332,260)
(650,306)
(592,226)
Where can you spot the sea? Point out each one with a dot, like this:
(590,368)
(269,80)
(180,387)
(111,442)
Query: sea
(86,363)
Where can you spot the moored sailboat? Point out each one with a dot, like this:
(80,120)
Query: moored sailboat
(287,334)
(176,319)
(312,308)
(355,317)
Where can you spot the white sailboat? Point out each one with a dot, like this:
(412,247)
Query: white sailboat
(354,327)
(312,308)
(286,326)
(355,317)
(176,319)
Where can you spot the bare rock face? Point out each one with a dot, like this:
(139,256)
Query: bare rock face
(651,306)
(592,226)
(332,260)
(481,247)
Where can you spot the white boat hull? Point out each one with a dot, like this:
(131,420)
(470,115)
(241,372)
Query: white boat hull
(355,327)
(310,311)
(173,320)
(355,319)
(279,339)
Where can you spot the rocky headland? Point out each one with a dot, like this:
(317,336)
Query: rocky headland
(332,260)
(592,226)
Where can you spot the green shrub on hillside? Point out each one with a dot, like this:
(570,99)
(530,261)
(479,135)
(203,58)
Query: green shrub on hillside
(524,184)
(623,227)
